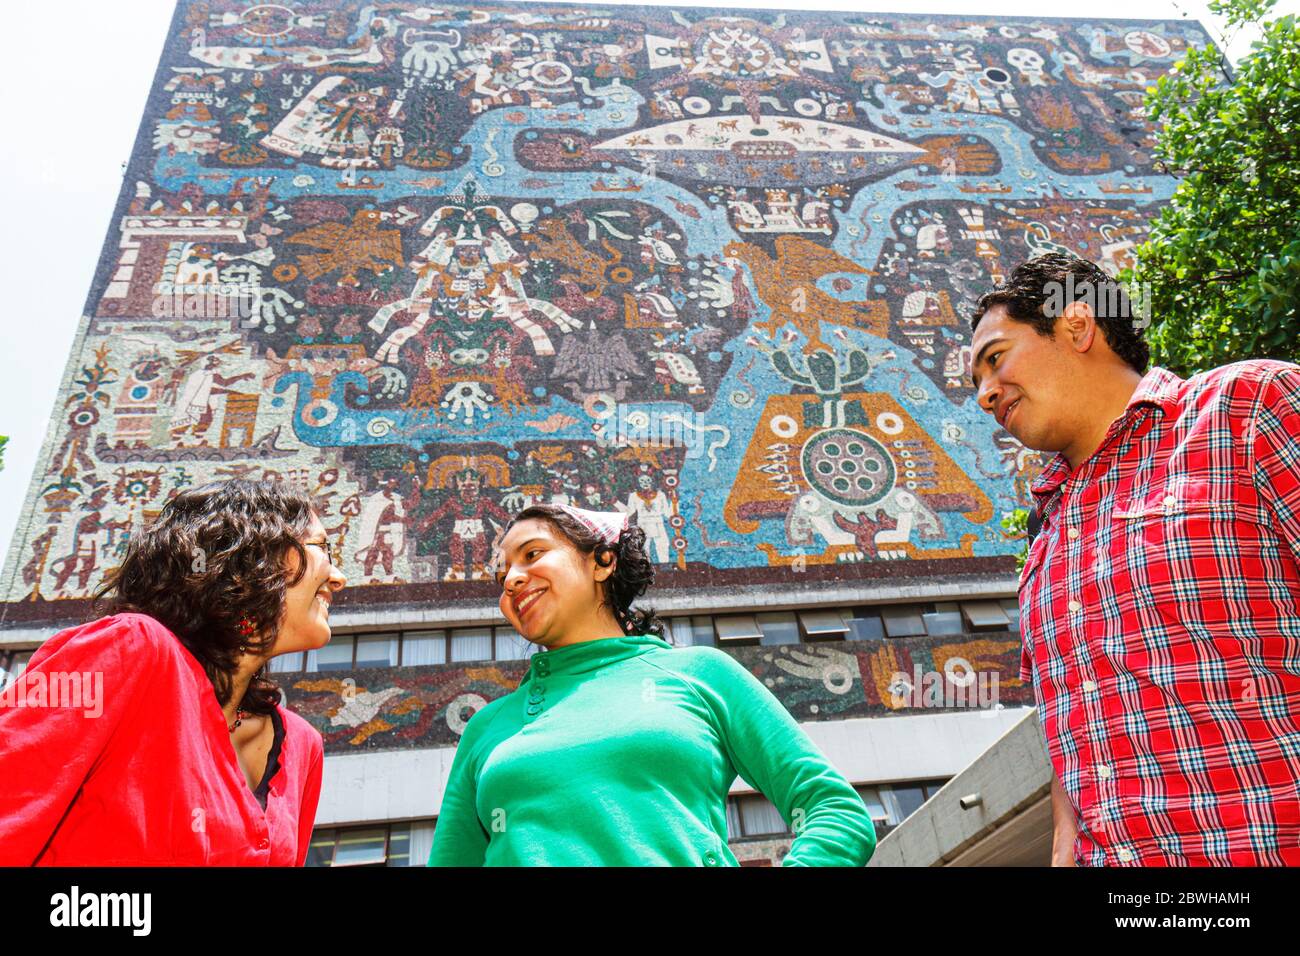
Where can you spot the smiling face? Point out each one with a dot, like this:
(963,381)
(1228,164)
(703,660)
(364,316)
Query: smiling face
(1030,383)
(305,625)
(550,591)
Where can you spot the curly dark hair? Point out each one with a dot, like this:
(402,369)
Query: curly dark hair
(633,572)
(1037,291)
(214,556)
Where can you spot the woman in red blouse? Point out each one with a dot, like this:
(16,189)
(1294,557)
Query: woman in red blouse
(153,736)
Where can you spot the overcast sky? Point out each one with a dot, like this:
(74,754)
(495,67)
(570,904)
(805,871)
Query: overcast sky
(76,85)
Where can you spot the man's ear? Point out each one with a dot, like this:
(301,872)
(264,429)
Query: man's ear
(1080,325)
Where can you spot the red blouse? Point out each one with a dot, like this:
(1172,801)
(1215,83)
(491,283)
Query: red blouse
(114,752)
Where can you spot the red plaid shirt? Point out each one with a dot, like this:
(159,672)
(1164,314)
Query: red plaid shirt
(1160,608)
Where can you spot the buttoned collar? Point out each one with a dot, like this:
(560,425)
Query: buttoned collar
(1159,387)
(591,655)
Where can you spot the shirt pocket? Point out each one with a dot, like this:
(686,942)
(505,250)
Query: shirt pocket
(1176,501)
(1184,522)
(1179,524)
(1171,561)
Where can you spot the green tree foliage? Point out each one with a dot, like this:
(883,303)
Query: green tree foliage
(1222,265)
(1015,527)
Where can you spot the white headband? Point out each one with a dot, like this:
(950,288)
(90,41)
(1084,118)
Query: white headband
(606,525)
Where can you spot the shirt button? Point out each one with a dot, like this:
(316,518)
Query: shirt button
(1104,772)
(1125,854)
(263,843)
(710,859)
(1090,686)
(1170,501)
(1073,533)
(1075,606)
(534,709)
(539,689)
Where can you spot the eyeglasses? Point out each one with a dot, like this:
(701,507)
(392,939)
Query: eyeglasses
(335,557)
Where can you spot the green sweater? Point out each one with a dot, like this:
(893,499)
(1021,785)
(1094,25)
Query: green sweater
(620,752)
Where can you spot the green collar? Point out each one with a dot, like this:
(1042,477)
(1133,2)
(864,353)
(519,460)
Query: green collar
(591,655)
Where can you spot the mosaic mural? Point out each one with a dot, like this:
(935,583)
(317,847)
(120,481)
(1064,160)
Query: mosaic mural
(713,270)
(401,707)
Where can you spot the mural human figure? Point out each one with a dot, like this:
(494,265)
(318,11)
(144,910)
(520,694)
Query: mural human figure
(650,506)
(469,509)
(196,406)
(83,559)
(383,530)
(557,493)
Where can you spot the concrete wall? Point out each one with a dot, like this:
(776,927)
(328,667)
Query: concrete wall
(1012,779)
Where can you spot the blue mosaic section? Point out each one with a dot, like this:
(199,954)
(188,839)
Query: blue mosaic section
(432,264)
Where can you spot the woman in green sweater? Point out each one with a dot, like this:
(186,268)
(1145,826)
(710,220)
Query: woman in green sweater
(618,749)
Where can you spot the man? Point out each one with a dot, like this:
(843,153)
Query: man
(1160,602)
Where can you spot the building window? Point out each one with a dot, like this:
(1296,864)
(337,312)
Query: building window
(781,627)
(903,620)
(753,815)
(381,845)
(985,615)
(907,799)
(865,624)
(824,625)
(334,656)
(688,631)
(875,806)
(891,803)
(424,647)
(760,817)
(471,644)
(734,829)
(286,663)
(376,650)
(409,649)
(13,668)
(466,645)
(511,645)
(1012,608)
(944,619)
(737,629)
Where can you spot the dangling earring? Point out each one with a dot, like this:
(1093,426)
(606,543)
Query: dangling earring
(246,629)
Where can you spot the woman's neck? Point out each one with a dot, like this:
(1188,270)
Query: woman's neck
(245,670)
(596,627)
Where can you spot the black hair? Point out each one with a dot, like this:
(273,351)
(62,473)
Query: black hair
(1038,291)
(632,575)
(213,559)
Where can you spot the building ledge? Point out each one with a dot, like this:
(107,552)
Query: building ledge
(1010,825)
